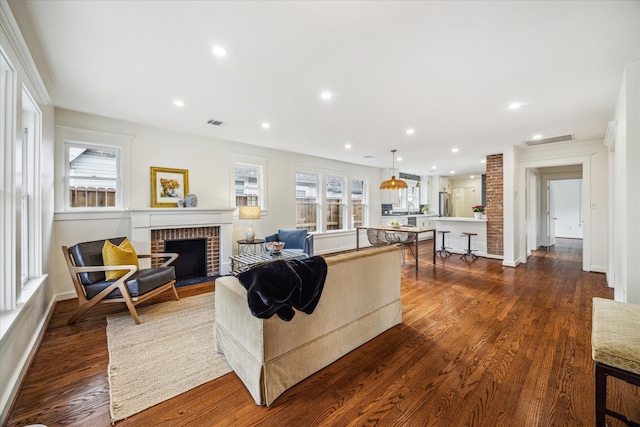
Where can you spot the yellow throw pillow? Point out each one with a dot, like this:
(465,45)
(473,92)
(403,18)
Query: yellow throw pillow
(124,254)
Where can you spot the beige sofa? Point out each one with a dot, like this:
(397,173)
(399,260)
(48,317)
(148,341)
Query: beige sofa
(360,300)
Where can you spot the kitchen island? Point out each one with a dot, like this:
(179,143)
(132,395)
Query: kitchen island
(455,240)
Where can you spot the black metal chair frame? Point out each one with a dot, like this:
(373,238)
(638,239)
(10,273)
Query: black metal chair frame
(469,252)
(602,372)
(443,249)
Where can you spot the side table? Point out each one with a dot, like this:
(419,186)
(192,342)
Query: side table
(246,247)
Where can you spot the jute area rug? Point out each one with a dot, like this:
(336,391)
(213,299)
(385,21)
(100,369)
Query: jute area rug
(170,352)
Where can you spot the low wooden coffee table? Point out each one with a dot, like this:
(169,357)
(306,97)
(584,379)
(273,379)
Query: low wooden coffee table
(240,263)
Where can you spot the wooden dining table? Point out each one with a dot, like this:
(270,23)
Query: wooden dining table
(402,229)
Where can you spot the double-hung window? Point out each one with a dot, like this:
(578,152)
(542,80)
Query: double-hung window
(335,205)
(307,201)
(92,176)
(341,205)
(359,205)
(95,165)
(248,185)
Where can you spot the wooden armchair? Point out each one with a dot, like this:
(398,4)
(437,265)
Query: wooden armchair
(87,269)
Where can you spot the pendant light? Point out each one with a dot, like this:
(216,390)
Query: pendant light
(393,183)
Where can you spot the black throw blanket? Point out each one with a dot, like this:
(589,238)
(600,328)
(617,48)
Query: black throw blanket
(280,286)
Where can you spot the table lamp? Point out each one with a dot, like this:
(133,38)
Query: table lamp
(250,213)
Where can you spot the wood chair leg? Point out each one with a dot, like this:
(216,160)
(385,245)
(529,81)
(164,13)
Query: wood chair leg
(175,292)
(129,302)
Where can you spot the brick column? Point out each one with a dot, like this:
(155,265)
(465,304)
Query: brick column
(494,209)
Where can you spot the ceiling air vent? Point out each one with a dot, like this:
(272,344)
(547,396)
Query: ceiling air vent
(550,140)
(215,122)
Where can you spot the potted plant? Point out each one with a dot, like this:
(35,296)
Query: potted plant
(478,211)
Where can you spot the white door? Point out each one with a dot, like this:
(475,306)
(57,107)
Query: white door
(567,205)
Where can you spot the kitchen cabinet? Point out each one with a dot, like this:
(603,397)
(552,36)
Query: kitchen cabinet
(444,184)
(425,190)
(425,221)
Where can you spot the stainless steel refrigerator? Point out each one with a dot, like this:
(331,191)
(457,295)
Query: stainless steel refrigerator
(445,204)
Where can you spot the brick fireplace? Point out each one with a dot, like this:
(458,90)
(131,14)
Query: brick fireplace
(212,245)
(150,228)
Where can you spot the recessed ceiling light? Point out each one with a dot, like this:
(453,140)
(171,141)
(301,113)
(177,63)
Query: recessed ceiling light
(219,51)
(536,137)
(410,131)
(399,159)
(514,105)
(178,103)
(433,167)
(347,146)
(472,176)
(326,95)
(454,150)
(452,172)
(483,161)
(266,125)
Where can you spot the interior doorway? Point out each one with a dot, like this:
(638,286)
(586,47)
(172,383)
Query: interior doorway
(555,206)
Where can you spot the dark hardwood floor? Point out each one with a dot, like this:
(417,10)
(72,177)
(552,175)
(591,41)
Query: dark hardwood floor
(480,345)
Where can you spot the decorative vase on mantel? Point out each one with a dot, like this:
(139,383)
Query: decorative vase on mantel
(190,200)
(478,215)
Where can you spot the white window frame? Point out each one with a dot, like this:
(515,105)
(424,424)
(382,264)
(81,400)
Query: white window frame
(259,180)
(319,197)
(346,194)
(68,136)
(365,200)
(322,174)
(31,193)
(8,236)
(255,162)
(67,175)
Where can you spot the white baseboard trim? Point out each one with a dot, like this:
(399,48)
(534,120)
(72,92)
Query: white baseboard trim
(65,296)
(511,264)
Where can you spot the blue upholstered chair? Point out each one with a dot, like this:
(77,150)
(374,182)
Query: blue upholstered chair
(294,240)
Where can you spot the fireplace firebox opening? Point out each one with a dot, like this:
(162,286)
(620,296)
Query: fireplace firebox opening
(192,262)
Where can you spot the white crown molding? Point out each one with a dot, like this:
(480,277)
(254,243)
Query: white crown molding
(10,26)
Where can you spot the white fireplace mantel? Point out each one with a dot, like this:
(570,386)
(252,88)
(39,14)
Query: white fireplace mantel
(144,220)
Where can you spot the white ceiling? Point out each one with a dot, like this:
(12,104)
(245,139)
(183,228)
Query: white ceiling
(449,70)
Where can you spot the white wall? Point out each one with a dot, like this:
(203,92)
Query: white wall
(625,199)
(210,162)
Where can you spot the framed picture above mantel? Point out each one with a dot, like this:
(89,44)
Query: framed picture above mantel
(168,186)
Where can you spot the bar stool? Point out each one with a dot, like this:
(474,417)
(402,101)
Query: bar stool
(443,249)
(469,250)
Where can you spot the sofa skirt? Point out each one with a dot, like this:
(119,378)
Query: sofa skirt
(267,382)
